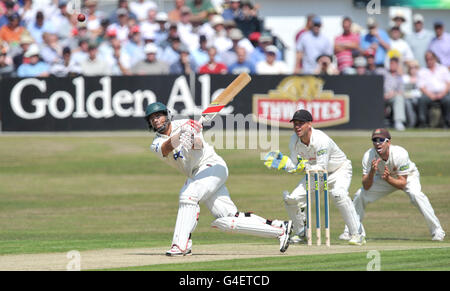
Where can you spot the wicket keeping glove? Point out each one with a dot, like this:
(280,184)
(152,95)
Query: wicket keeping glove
(301,166)
(276,160)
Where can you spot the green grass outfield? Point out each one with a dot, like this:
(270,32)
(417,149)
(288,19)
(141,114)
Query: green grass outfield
(95,191)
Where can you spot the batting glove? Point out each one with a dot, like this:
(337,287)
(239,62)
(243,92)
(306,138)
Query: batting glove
(191,126)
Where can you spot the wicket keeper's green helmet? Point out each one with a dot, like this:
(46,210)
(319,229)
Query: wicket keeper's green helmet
(157,107)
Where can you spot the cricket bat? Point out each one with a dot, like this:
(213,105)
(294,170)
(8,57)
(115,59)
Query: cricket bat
(225,97)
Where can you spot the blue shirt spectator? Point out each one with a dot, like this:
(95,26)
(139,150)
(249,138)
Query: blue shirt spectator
(241,65)
(376,39)
(35,68)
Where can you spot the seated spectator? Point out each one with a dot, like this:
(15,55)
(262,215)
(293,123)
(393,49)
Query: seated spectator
(434,83)
(412,92)
(360,64)
(135,46)
(393,93)
(37,27)
(241,65)
(122,4)
(400,45)
(161,34)
(185,29)
(399,20)
(372,68)
(93,18)
(141,7)
(311,45)
(171,54)
(93,65)
(12,32)
(35,67)
(233,11)
(345,45)
(8,8)
(229,56)
(65,68)
(175,14)
(51,50)
(325,66)
(270,66)
(419,39)
(220,39)
(200,55)
(117,58)
(440,45)
(150,66)
(6,69)
(376,40)
(25,41)
(200,9)
(149,25)
(248,21)
(259,53)
(121,26)
(184,65)
(213,67)
(81,53)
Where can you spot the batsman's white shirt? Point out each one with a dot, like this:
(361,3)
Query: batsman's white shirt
(186,161)
(398,162)
(322,152)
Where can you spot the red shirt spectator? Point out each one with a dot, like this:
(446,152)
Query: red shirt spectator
(212,67)
(345,44)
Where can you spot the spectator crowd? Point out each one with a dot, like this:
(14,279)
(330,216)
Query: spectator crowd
(41,38)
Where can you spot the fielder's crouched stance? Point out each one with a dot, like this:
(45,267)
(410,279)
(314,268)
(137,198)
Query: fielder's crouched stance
(386,169)
(312,149)
(180,143)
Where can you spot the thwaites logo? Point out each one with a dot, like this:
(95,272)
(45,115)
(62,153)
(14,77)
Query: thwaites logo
(301,92)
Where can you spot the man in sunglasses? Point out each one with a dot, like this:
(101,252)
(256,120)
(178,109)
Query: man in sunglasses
(386,169)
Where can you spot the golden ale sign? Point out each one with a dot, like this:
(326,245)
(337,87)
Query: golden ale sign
(301,92)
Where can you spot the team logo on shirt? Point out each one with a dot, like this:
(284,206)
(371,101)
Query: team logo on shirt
(301,92)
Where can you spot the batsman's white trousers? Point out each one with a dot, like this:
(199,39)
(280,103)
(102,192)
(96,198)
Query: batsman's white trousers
(208,187)
(413,189)
(338,185)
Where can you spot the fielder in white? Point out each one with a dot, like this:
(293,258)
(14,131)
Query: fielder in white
(386,169)
(311,148)
(180,143)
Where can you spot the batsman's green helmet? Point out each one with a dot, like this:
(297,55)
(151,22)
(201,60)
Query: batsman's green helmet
(155,107)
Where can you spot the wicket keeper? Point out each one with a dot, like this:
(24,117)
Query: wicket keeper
(312,149)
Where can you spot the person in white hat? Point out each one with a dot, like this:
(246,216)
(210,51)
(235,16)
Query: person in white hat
(151,65)
(271,66)
(35,67)
(419,39)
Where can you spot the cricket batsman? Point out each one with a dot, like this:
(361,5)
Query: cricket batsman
(312,149)
(386,169)
(180,143)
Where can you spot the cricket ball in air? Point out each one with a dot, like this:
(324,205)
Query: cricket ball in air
(81,17)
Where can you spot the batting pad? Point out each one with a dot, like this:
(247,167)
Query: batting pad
(187,219)
(249,224)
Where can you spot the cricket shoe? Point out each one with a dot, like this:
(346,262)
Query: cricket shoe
(299,238)
(175,251)
(345,236)
(284,238)
(357,240)
(438,235)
